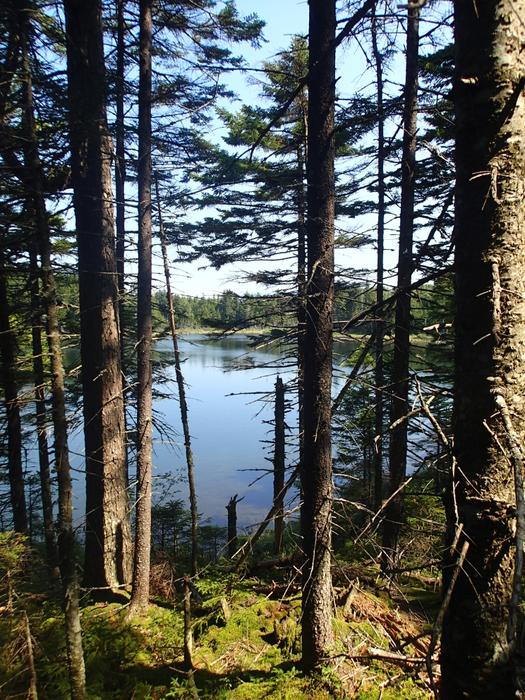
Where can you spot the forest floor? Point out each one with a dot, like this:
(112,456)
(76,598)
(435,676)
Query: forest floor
(246,646)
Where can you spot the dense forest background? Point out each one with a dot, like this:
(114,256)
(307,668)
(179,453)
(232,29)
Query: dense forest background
(365,188)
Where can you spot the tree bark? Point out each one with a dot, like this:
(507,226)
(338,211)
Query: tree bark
(379,373)
(188,636)
(120,200)
(37,310)
(120,157)
(12,408)
(394,513)
(108,539)
(66,539)
(279,467)
(7,343)
(477,649)
(141,570)
(316,473)
(182,394)
(301,276)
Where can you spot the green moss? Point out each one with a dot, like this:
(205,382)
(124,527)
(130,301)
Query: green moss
(366,633)
(245,647)
(249,632)
(279,684)
(404,689)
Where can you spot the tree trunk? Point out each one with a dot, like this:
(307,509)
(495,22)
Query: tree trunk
(32,692)
(301,280)
(37,310)
(7,342)
(14,430)
(120,203)
(188,637)
(478,643)
(141,570)
(182,393)
(66,539)
(316,475)
(120,157)
(279,467)
(232,526)
(400,367)
(379,375)
(108,539)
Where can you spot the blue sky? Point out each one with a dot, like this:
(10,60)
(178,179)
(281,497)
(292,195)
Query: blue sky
(283,18)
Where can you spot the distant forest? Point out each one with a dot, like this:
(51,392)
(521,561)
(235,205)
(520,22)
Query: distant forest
(432,304)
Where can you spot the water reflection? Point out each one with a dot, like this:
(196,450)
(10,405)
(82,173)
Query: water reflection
(230,400)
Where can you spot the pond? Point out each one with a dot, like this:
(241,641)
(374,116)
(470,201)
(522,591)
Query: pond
(230,388)
(230,385)
(229,392)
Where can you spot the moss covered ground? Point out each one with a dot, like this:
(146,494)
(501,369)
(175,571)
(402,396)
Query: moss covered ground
(247,641)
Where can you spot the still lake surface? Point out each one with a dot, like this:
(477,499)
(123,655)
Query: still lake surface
(230,393)
(230,388)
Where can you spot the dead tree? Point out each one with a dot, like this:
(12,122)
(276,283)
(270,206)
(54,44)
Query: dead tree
(279,466)
(182,391)
(232,525)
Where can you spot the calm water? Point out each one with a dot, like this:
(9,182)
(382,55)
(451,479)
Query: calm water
(230,389)
(228,407)
(230,400)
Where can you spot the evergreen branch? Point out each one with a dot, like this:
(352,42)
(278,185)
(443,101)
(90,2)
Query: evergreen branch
(343,34)
(343,326)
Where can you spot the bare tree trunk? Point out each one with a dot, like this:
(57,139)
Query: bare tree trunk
(120,203)
(108,538)
(400,369)
(141,570)
(279,467)
(14,429)
(32,692)
(188,637)
(301,286)
(379,374)
(120,159)
(41,415)
(316,475)
(232,526)
(478,643)
(182,393)
(66,540)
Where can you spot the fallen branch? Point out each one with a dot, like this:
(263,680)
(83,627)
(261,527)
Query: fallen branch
(387,656)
